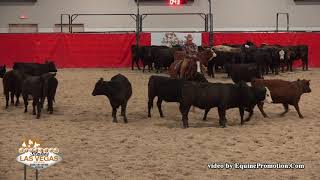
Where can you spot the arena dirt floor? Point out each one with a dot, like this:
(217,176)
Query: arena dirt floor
(153,148)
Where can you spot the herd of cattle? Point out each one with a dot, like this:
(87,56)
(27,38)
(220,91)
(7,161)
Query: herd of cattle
(30,80)
(244,63)
(206,95)
(259,59)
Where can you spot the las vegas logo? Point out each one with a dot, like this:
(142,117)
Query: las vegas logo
(37,157)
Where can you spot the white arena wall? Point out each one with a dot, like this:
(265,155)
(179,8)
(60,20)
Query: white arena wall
(229,15)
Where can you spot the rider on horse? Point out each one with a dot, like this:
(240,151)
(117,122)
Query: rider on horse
(190,49)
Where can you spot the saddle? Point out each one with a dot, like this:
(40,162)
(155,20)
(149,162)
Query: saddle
(185,68)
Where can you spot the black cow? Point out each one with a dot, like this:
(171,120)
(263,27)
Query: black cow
(232,45)
(166,89)
(51,92)
(245,55)
(2,71)
(232,54)
(199,77)
(164,57)
(135,51)
(298,52)
(302,52)
(275,58)
(12,81)
(247,52)
(221,60)
(35,69)
(224,96)
(260,56)
(118,91)
(264,59)
(38,88)
(243,72)
(146,54)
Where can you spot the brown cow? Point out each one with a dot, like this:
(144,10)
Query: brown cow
(284,92)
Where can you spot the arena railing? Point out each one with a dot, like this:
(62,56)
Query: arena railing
(74,16)
(61,21)
(202,15)
(277,21)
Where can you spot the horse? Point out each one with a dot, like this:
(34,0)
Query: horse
(185,67)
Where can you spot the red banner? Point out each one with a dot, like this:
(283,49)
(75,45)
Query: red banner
(292,38)
(114,50)
(70,50)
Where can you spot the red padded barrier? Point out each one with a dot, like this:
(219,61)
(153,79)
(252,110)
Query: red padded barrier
(292,38)
(70,50)
(114,50)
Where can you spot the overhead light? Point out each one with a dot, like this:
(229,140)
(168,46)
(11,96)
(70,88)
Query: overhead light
(23,17)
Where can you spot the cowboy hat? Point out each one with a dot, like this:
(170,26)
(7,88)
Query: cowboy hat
(189,37)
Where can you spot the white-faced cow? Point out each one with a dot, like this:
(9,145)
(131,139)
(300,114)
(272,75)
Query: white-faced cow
(284,92)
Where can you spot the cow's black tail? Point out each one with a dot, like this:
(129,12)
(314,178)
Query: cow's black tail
(151,91)
(45,86)
(54,89)
(44,91)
